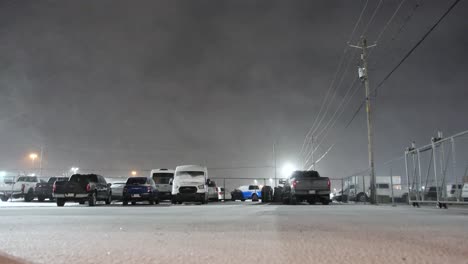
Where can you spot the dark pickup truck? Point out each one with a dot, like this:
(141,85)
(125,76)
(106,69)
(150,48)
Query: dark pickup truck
(82,188)
(306,186)
(44,189)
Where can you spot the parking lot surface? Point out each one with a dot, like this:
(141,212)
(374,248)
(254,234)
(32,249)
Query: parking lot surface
(233,232)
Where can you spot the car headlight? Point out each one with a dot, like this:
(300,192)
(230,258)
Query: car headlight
(201,186)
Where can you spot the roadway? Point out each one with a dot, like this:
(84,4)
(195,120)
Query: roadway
(233,232)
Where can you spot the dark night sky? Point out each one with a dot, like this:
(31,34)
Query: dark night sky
(146,84)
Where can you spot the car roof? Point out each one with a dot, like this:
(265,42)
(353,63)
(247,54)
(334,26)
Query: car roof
(162,171)
(190,168)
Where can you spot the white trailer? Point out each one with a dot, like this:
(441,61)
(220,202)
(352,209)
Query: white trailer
(358,187)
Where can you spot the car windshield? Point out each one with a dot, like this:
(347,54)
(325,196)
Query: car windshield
(81,178)
(190,173)
(9,179)
(162,178)
(137,180)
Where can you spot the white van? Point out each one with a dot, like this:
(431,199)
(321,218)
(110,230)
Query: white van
(190,184)
(163,179)
(465,192)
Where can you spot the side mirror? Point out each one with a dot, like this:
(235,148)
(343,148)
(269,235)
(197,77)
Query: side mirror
(282,181)
(208,181)
(170,181)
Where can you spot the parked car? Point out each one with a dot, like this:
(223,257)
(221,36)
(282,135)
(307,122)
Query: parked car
(82,188)
(212,191)
(267,194)
(139,189)
(190,184)
(223,195)
(44,189)
(252,192)
(454,191)
(237,195)
(163,179)
(23,187)
(465,192)
(306,186)
(117,190)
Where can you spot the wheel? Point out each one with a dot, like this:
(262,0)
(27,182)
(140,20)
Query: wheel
(151,202)
(156,201)
(361,198)
(232,199)
(29,196)
(4,198)
(40,198)
(292,200)
(311,201)
(173,201)
(254,197)
(325,202)
(81,202)
(109,199)
(92,199)
(125,202)
(60,202)
(133,202)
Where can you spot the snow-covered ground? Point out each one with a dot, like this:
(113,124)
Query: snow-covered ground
(235,233)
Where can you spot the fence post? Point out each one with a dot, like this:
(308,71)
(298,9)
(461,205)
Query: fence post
(458,191)
(420,178)
(342,190)
(407,177)
(434,152)
(364,188)
(391,186)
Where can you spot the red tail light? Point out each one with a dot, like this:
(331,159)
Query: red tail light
(23,187)
(294,183)
(328,184)
(88,187)
(54,187)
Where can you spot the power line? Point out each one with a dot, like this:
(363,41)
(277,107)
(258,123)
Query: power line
(372,18)
(403,59)
(416,46)
(307,137)
(389,21)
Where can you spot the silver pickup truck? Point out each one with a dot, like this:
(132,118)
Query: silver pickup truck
(306,186)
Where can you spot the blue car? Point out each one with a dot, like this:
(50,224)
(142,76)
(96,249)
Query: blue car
(252,192)
(139,189)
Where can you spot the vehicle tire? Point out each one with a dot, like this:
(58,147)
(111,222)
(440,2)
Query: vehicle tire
(92,199)
(133,203)
(311,201)
(242,200)
(292,200)
(60,202)
(254,197)
(109,199)
(124,202)
(325,202)
(361,198)
(29,196)
(232,199)
(151,202)
(81,202)
(173,201)
(41,198)
(4,198)
(156,201)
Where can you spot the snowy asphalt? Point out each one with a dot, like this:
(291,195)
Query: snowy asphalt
(232,232)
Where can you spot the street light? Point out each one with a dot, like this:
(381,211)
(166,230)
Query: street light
(288,169)
(33,157)
(74,170)
(134,173)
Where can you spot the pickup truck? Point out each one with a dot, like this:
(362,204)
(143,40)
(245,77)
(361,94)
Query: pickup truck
(306,186)
(21,188)
(82,188)
(44,189)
